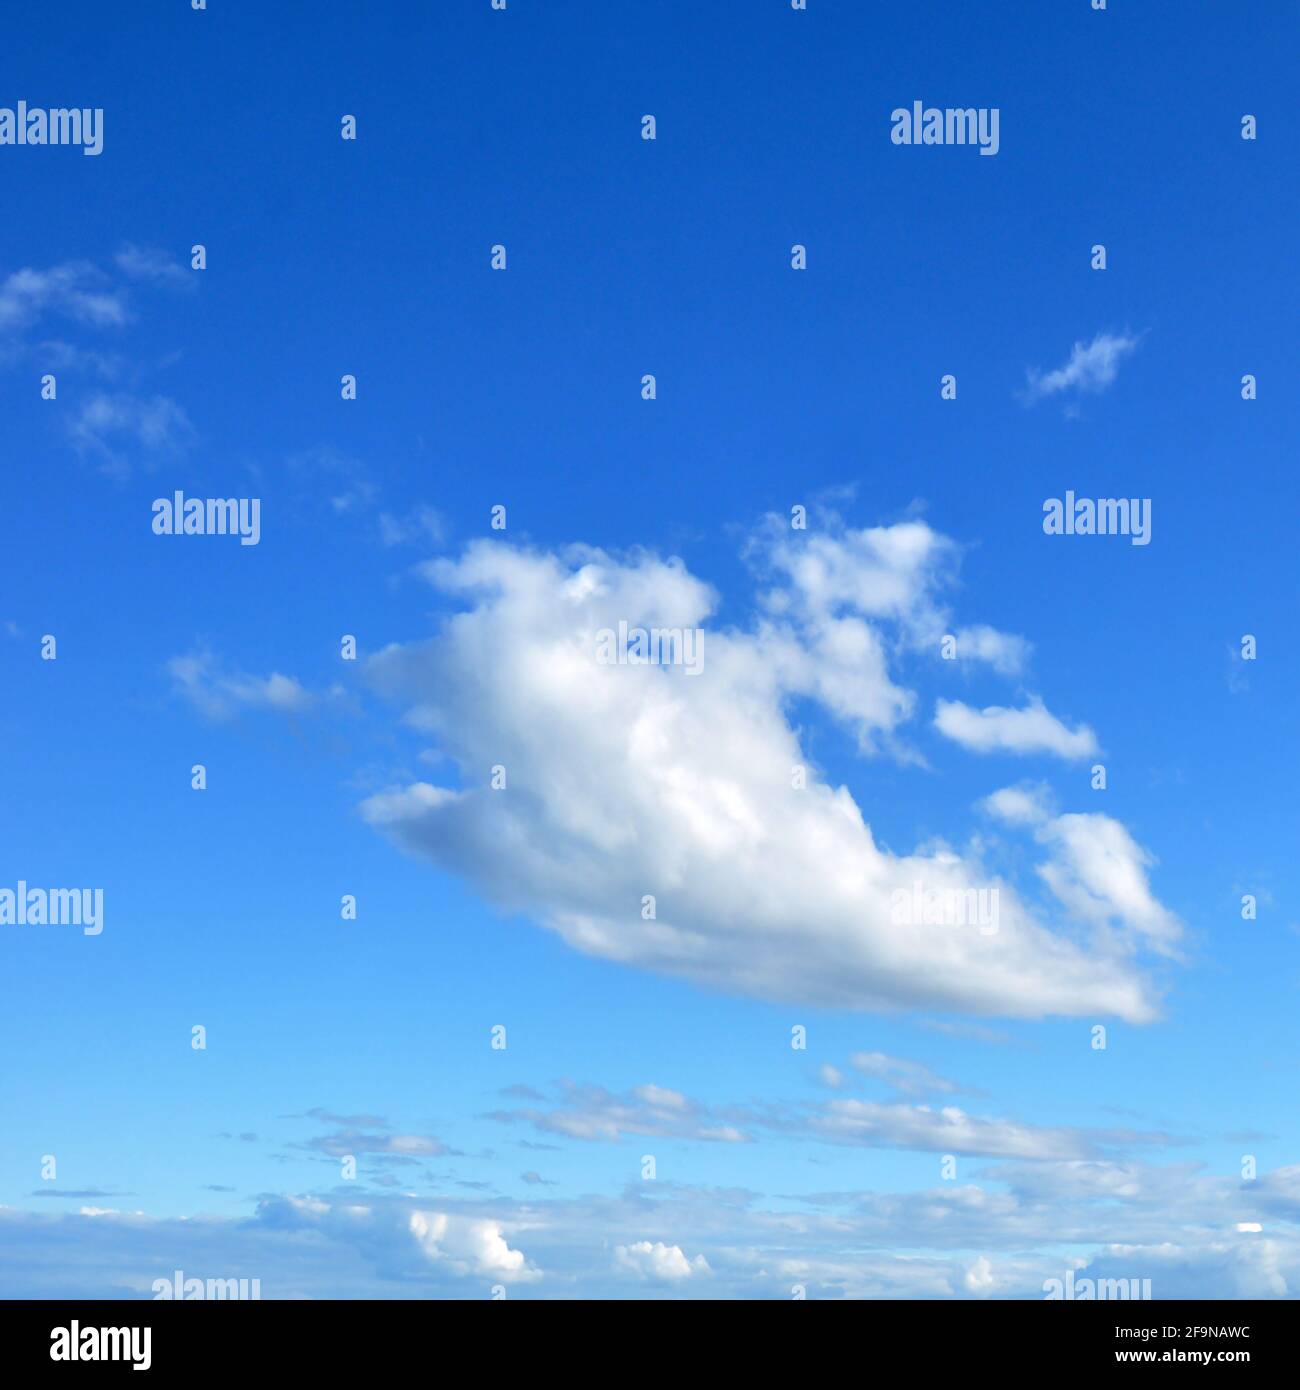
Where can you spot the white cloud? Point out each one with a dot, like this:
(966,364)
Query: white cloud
(832,580)
(400,1236)
(947,1130)
(1174,1224)
(590,1112)
(55,355)
(627,781)
(385,1147)
(219,694)
(1004,651)
(905,1076)
(1025,805)
(659,1261)
(593,1113)
(108,422)
(158,267)
(472,1247)
(1033,729)
(1097,871)
(76,290)
(980,1279)
(1091,367)
(1246,1266)
(1099,874)
(662,1098)
(422,524)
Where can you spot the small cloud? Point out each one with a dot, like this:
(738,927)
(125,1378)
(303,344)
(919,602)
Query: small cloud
(360,494)
(519,1092)
(904,1076)
(593,1113)
(328,1117)
(1033,729)
(979,1278)
(471,1246)
(659,1261)
(1092,367)
(59,356)
(154,266)
(79,1194)
(336,477)
(1004,651)
(872,1124)
(220,695)
(75,290)
(1238,671)
(1095,869)
(1023,805)
(661,1097)
(109,421)
(421,524)
(370,1134)
(957,1028)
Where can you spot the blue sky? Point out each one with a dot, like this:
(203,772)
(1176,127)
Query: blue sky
(776,1168)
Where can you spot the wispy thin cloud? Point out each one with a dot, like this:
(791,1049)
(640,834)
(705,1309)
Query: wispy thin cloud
(156,267)
(118,426)
(75,290)
(1091,367)
(905,1076)
(593,1113)
(219,694)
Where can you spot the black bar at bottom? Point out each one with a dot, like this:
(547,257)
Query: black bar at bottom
(337,1338)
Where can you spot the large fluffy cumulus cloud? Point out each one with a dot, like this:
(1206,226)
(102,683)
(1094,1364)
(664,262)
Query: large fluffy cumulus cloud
(625,781)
